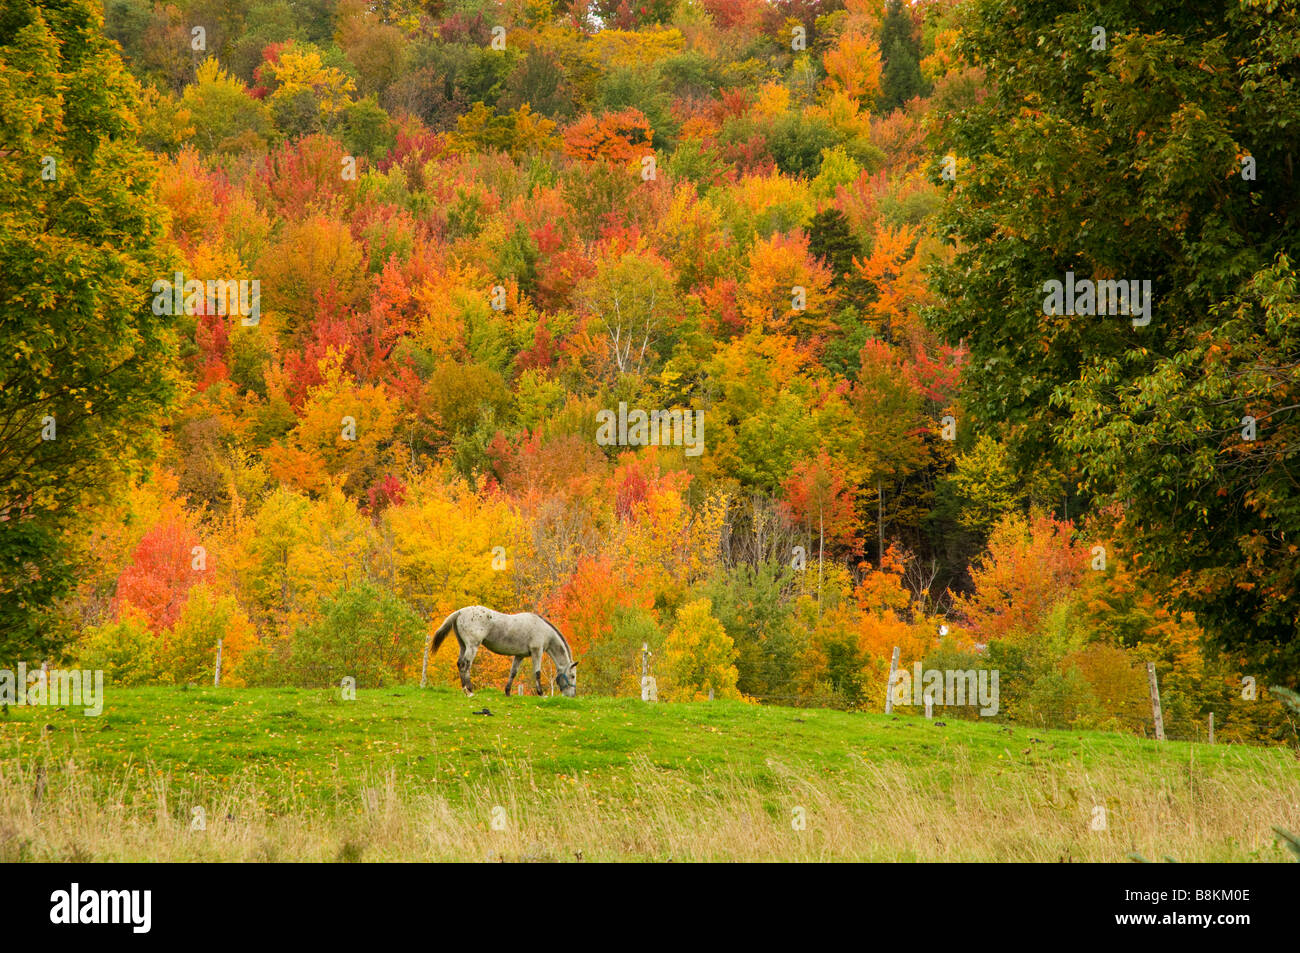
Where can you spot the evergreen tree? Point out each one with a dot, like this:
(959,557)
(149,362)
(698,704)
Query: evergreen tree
(902,53)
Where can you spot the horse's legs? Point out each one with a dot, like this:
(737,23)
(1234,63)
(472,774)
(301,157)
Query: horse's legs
(537,670)
(514,667)
(466,660)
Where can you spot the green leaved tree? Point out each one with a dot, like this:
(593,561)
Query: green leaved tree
(85,366)
(1137,144)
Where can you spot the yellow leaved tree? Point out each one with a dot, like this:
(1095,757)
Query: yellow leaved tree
(699,656)
(853,66)
(454,546)
(298,70)
(188,652)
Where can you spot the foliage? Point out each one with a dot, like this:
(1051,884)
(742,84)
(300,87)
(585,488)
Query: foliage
(699,656)
(1134,162)
(87,370)
(467,252)
(365,633)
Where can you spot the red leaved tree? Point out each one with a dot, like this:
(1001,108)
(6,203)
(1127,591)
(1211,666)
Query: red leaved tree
(161,571)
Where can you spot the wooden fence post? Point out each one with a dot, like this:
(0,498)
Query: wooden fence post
(1211,727)
(889,687)
(650,690)
(424,668)
(1155,701)
(216,679)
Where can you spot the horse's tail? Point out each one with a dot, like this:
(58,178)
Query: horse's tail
(448,625)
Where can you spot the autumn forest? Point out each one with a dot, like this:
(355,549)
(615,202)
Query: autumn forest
(714,327)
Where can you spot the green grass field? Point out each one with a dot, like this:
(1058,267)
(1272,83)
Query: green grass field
(410,774)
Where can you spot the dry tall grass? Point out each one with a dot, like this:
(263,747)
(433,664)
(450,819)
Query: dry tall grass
(55,812)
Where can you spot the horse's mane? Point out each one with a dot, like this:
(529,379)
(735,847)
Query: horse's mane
(565,641)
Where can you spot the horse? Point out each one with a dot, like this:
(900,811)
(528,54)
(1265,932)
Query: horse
(518,635)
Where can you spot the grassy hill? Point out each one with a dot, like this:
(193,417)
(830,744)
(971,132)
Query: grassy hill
(408,774)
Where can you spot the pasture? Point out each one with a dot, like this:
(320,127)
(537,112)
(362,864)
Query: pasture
(409,774)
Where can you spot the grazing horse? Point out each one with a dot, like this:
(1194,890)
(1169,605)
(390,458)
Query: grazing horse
(518,635)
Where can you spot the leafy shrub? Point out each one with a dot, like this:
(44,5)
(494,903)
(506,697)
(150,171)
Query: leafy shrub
(187,654)
(698,656)
(612,666)
(124,649)
(365,632)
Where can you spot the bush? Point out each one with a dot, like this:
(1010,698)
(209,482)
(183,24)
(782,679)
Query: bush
(698,656)
(124,649)
(1119,686)
(188,653)
(948,655)
(749,601)
(612,666)
(1059,699)
(365,632)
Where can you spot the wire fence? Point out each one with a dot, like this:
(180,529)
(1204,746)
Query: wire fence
(1255,718)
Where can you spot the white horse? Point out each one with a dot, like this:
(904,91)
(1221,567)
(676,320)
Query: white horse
(519,635)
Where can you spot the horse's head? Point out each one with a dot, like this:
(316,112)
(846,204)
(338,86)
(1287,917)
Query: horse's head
(568,681)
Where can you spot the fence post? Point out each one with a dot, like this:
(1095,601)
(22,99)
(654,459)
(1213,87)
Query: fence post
(929,705)
(1211,727)
(649,690)
(889,687)
(216,679)
(1155,701)
(424,668)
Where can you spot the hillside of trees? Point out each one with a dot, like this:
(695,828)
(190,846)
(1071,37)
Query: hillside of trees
(821,226)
